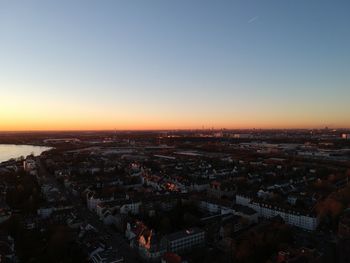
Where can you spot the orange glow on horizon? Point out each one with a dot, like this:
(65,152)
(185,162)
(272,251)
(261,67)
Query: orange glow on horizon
(55,116)
(148,124)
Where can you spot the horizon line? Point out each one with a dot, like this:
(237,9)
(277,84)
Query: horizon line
(180,129)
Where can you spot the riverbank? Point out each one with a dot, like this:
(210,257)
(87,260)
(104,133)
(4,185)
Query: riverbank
(14,151)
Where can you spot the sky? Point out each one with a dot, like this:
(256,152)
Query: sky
(182,64)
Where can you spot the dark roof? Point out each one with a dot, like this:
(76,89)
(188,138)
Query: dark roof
(244,209)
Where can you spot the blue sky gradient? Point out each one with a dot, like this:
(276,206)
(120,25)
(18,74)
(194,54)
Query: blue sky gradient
(174,64)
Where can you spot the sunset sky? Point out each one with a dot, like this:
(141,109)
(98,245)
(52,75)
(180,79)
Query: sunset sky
(125,64)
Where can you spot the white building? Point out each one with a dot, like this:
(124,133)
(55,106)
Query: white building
(291,217)
(215,207)
(243,200)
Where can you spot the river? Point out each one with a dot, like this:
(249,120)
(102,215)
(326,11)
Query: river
(9,151)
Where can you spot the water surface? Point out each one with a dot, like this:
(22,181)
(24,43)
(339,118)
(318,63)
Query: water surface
(9,151)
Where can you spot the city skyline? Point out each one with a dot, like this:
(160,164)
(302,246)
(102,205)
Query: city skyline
(130,65)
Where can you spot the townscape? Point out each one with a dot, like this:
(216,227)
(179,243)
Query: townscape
(184,131)
(177,196)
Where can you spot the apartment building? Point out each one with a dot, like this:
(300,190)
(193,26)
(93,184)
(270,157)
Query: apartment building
(291,217)
(185,240)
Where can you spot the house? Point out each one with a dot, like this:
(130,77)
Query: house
(93,199)
(29,164)
(145,241)
(151,248)
(95,248)
(133,230)
(221,189)
(47,211)
(105,208)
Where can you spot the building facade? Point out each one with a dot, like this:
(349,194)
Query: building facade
(185,240)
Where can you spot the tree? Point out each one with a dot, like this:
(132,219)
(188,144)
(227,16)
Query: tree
(165,225)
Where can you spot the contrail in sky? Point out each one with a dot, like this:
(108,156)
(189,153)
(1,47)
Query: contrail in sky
(253,19)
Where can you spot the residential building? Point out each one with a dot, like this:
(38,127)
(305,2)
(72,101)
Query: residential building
(185,240)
